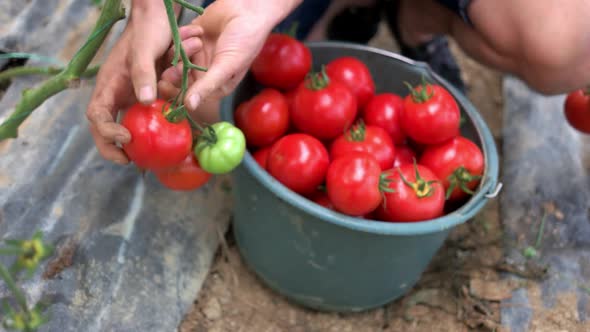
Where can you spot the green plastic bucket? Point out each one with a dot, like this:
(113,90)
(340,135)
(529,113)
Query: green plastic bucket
(328,261)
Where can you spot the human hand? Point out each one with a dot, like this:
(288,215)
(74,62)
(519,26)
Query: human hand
(129,74)
(234,31)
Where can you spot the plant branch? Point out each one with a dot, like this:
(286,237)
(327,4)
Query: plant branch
(190,6)
(10,251)
(26,70)
(112,12)
(18,294)
(179,52)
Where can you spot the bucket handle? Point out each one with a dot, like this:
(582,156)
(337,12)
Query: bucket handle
(473,208)
(495,192)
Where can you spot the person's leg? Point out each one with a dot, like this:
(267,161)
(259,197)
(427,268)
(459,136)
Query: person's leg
(545,43)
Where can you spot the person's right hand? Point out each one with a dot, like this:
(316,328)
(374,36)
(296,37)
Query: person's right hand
(129,74)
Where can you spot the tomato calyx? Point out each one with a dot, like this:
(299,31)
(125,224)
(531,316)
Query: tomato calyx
(423,94)
(586,91)
(357,132)
(318,80)
(461,177)
(384,182)
(421,187)
(208,136)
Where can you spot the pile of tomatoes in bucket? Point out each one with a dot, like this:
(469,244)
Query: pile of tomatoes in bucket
(328,136)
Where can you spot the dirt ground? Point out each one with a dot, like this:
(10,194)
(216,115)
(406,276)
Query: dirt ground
(460,291)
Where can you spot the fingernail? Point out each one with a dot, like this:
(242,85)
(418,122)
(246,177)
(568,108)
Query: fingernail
(193,101)
(146,94)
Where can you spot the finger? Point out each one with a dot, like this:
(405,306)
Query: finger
(108,150)
(173,75)
(191,47)
(100,116)
(224,68)
(113,132)
(189,31)
(143,74)
(167,90)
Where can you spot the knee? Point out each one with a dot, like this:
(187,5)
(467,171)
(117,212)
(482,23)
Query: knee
(552,53)
(544,43)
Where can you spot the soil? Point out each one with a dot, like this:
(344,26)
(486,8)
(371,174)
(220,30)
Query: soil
(460,291)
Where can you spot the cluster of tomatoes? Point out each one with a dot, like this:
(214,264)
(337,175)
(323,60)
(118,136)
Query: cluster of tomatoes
(181,157)
(329,136)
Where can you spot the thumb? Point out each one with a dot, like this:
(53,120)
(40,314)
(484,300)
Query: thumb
(144,54)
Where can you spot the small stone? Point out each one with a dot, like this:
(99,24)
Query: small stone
(558,215)
(212,309)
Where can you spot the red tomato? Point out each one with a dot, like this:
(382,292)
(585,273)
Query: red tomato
(282,62)
(370,139)
(577,110)
(156,143)
(264,118)
(188,175)
(385,111)
(323,108)
(415,194)
(458,163)
(321,198)
(355,74)
(290,96)
(353,182)
(431,114)
(261,156)
(299,161)
(403,155)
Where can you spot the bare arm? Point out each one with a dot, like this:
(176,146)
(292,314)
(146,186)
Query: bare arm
(545,43)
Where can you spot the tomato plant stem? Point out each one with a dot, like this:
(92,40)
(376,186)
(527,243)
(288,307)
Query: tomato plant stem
(179,52)
(292,31)
(112,12)
(27,70)
(10,251)
(190,6)
(541,231)
(16,292)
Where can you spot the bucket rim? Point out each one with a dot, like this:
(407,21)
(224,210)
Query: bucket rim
(487,188)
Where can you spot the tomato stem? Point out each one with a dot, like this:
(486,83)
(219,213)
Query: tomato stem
(318,80)
(357,132)
(198,9)
(209,136)
(423,94)
(179,52)
(384,182)
(421,187)
(461,177)
(292,31)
